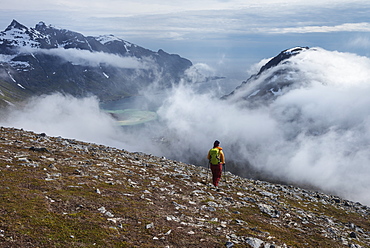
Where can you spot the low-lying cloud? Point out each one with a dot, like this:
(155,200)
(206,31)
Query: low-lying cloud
(316,134)
(88,58)
(66,116)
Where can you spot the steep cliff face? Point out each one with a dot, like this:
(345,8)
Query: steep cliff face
(63,192)
(46,59)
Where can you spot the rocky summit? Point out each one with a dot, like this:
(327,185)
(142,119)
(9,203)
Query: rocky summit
(58,192)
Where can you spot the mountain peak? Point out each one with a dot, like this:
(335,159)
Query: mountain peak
(15,25)
(272,85)
(41,25)
(286,54)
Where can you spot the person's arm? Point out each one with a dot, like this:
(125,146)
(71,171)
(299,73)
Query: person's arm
(208,156)
(222,157)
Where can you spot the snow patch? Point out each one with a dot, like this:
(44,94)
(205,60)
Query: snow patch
(19,38)
(294,50)
(6,58)
(104,39)
(11,77)
(20,64)
(9,103)
(276,93)
(127,45)
(254,93)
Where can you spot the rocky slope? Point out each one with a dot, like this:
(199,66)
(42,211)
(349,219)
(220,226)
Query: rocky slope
(47,59)
(58,192)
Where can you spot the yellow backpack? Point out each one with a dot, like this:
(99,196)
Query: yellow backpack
(215,156)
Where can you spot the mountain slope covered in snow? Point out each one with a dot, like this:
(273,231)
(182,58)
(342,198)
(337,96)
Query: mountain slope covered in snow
(46,59)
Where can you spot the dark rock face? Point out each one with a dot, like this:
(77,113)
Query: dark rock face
(284,55)
(46,59)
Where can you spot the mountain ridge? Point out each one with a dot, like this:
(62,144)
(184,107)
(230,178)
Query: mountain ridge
(46,59)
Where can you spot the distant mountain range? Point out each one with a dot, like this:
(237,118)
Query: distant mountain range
(46,59)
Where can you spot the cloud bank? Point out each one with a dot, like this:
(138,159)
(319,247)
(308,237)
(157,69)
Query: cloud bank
(88,58)
(316,134)
(66,116)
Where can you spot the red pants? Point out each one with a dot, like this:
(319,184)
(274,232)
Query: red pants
(216,173)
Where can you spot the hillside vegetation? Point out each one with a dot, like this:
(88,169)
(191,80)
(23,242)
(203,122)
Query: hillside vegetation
(58,192)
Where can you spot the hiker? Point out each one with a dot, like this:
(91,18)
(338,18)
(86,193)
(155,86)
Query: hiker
(216,159)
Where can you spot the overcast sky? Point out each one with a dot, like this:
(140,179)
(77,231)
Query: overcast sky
(228,34)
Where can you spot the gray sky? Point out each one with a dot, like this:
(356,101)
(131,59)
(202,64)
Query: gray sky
(228,35)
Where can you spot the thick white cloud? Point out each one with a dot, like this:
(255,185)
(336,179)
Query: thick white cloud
(88,58)
(317,134)
(60,115)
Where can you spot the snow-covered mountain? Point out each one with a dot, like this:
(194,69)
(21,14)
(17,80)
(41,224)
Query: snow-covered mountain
(45,59)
